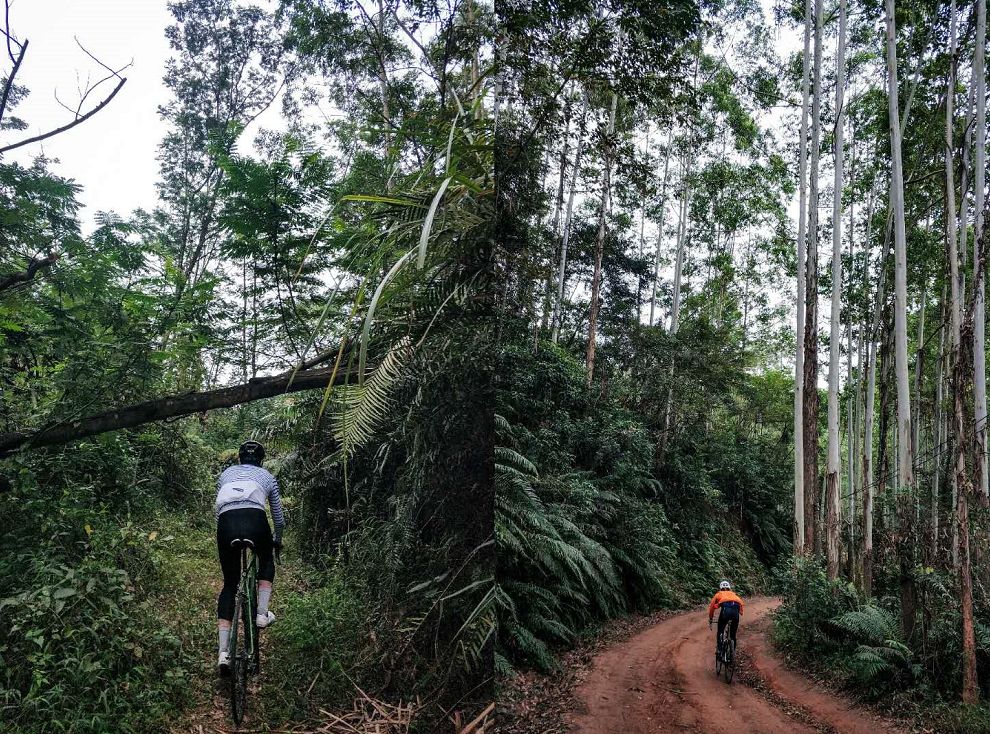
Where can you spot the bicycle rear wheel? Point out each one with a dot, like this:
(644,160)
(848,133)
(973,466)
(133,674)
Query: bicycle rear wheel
(239,662)
(730,664)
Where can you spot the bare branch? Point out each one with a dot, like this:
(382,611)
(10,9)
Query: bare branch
(8,34)
(10,79)
(77,121)
(113,72)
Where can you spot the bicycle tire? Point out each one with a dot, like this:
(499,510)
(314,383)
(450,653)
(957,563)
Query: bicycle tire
(238,678)
(730,667)
(250,621)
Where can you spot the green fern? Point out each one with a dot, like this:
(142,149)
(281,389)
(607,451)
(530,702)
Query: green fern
(361,409)
(881,652)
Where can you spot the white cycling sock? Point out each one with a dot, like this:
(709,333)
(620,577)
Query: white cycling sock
(224,635)
(264,596)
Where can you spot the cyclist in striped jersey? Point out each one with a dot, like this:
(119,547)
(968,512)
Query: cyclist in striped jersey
(242,491)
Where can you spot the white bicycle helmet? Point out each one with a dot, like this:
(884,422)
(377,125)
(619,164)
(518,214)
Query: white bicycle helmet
(724,585)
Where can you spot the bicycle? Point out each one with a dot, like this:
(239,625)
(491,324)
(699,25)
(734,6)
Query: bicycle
(245,651)
(725,655)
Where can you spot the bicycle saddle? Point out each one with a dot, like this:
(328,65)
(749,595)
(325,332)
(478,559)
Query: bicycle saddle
(239,542)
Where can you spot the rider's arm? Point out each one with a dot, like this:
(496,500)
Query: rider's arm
(275,501)
(712,607)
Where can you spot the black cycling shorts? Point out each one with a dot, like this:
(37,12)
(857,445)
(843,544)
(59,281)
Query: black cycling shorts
(232,525)
(728,615)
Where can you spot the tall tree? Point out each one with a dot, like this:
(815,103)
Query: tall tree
(596,278)
(566,233)
(979,81)
(812,539)
(832,483)
(905,462)
(802,279)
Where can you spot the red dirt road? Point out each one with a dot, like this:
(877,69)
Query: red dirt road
(663,680)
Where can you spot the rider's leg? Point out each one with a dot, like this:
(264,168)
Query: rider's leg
(223,633)
(230,565)
(266,574)
(733,627)
(722,619)
(264,596)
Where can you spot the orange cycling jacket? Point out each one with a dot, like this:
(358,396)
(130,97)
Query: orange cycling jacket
(724,596)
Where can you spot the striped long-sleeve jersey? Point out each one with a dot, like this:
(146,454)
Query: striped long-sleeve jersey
(246,485)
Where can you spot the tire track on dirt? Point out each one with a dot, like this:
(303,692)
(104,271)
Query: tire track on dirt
(663,680)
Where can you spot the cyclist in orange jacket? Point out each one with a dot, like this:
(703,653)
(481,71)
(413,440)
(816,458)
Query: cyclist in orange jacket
(730,606)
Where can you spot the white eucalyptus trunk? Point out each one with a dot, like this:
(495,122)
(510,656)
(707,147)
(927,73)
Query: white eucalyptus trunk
(832,483)
(979,201)
(596,278)
(812,488)
(801,283)
(660,226)
(905,461)
(566,235)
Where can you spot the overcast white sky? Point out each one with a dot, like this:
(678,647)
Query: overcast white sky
(113,154)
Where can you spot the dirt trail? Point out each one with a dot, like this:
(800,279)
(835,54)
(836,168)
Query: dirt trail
(663,680)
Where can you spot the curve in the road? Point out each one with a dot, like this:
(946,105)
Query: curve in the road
(663,680)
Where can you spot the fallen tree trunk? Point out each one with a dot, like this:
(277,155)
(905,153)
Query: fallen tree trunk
(173,406)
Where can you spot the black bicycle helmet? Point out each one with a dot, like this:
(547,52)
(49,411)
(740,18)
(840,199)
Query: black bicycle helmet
(251,452)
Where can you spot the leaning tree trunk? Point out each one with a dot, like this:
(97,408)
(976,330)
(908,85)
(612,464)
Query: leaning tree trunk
(812,539)
(801,283)
(596,280)
(832,491)
(905,461)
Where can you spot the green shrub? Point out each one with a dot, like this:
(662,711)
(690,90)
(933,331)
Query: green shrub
(803,623)
(81,649)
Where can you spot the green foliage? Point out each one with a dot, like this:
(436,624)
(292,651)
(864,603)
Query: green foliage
(322,628)
(587,527)
(881,654)
(80,631)
(827,625)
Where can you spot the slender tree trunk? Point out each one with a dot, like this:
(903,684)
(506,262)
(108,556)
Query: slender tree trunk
(905,462)
(979,184)
(952,254)
(596,280)
(832,483)
(866,560)
(642,235)
(961,384)
(802,276)
(812,540)
(565,239)
(675,308)
(660,225)
(919,364)
(852,406)
(939,426)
